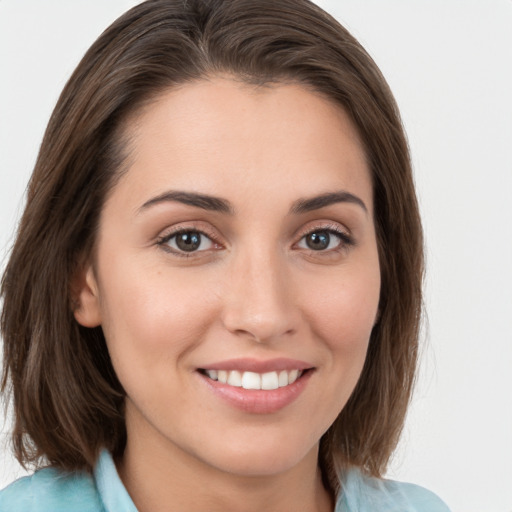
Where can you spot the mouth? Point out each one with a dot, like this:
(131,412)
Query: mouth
(267,381)
(257,387)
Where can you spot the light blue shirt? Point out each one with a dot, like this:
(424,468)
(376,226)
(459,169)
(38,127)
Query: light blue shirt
(49,490)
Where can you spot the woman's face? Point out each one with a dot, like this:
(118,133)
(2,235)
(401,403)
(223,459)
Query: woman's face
(236,276)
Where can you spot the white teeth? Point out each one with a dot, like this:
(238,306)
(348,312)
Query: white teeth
(293,376)
(253,380)
(235,379)
(269,381)
(212,374)
(283,379)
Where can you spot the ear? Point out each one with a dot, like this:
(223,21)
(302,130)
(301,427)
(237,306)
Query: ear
(86,300)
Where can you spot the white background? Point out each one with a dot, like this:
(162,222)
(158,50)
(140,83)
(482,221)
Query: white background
(449,63)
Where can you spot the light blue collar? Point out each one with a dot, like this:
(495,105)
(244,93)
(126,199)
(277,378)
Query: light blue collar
(114,496)
(360,493)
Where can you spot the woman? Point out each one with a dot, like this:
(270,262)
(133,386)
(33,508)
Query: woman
(214,296)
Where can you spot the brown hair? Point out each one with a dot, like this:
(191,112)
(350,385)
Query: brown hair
(67,400)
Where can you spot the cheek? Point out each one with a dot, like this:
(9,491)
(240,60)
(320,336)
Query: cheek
(342,314)
(344,310)
(153,316)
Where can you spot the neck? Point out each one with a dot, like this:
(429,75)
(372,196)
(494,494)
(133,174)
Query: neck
(159,476)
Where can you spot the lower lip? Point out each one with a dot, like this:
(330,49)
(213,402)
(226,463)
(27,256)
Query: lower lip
(258,401)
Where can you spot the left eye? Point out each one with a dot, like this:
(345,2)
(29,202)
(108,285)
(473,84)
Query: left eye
(188,241)
(321,240)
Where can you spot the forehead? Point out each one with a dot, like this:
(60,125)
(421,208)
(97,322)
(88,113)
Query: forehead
(224,137)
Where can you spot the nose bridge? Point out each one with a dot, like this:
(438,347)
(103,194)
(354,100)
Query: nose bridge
(259,301)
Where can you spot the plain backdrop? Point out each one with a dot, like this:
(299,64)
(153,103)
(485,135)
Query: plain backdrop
(449,64)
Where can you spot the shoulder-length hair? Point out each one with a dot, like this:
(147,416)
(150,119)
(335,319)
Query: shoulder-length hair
(68,403)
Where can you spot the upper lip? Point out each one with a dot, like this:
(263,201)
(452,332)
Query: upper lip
(258,365)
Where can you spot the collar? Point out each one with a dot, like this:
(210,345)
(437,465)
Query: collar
(114,496)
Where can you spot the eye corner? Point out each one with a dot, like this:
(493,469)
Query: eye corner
(195,242)
(322,239)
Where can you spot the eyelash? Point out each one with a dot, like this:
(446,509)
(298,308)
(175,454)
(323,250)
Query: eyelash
(346,241)
(163,240)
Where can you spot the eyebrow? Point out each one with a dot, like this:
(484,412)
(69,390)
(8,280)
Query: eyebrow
(203,201)
(323,200)
(217,204)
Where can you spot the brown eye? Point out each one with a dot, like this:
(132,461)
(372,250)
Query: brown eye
(318,241)
(325,240)
(188,241)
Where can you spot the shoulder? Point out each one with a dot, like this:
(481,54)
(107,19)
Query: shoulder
(422,499)
(49,490)
(361,493)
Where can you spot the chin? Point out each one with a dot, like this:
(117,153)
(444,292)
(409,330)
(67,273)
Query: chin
(262,459)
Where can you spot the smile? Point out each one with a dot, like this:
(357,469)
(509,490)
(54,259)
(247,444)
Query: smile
(256,386)
(251,380)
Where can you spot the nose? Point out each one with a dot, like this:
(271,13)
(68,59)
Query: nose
(259,302)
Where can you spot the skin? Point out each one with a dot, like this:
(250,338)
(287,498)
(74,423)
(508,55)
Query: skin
(255,290)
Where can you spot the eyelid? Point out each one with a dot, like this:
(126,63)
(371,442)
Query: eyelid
(324,226)
(167,234)
(346,238)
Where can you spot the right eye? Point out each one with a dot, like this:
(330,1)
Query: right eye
(186,242)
